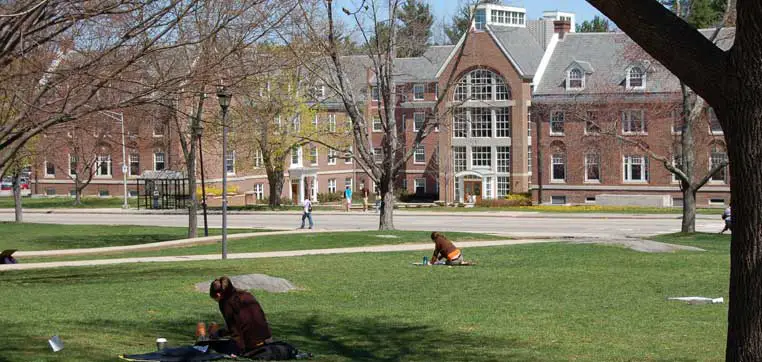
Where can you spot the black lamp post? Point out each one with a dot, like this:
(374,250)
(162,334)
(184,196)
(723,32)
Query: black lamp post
(224,95)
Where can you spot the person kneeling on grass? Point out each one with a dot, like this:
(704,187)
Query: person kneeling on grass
(245,321)
(444,249)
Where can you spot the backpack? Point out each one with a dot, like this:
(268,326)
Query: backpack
(276,351)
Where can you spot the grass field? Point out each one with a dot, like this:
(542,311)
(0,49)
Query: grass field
(28,236)
(541,302)
(68,202)
(290,242)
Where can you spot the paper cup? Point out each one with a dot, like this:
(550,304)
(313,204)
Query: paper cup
(161,343)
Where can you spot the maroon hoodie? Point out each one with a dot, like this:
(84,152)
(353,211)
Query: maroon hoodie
(245,320)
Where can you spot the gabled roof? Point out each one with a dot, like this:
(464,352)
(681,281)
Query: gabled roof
(610,55)
(423,68)
(519,46)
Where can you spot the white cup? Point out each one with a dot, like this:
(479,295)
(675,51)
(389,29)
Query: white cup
(161,343)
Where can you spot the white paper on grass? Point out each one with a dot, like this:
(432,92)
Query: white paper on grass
(56,343)
(699,300)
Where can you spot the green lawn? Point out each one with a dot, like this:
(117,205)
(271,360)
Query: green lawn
(291,242)
(28,236)
(541,302)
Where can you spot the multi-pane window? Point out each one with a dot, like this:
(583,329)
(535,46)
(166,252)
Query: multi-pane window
(348,183)
(488,187)
(158,129)
(72,165)
(374,94)
(418,92)
(482,85)
(635,169)
(591,123)
(295,156)
(296,124)
(633,121)
(460,124)
(331,156)
(459,158)
(716,157)
(503,186)
(158,161)
(378,154)
(313,155)
(557,123)
(315,121)
(377,125)
(507,17)
(502,122)
(419,155)
(481,122)
(593,167)
(576,79)
(331,123)
(50,169)
(348,156)
(230,163)
(418,119)
(259,191)
(529,158)
(134,164)
(714,122)
(480,19)
(481,156)
(258,159)
(558,167)
(635,78)
(332,185)
(420,185)
(103,165)
(677,122)
(677,161)
(503,159)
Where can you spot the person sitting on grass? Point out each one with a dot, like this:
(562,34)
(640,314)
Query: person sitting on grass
(444,249)
(245,321)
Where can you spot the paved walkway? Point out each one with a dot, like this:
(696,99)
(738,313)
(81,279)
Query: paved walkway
(270,254)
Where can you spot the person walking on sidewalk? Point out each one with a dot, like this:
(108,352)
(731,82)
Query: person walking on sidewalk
(365,195)
(307,214)
(348,196)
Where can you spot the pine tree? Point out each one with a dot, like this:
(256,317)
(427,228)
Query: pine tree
(415,28)
(461,21)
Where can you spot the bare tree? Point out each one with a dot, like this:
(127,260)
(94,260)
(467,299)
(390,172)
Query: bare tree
(731,84)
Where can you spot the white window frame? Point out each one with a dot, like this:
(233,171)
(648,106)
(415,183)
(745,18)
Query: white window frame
(502,116)
(133,160)
(163,129)
(590,125)
(493,82)
(642,78)
(459,158)
(460,123)
(73,161)
(628,162)
(481,128)
(711,115)
(314,157)
(49,175)
(416,115)
(332,123)
(557,159)
(416,88)
(377,126)
(592,159)
(627,122)
(420,150)
(575,75)
(348,181)
(230,157)
(713,152)
(315,121)
(163,160)
(259,191)
(676,160)
(348,160)
(677,117)
(415,184)
(503,186)
(555,119)
(375,94)
(332,185)
(332,155)
(296,154)
(259,159)
(378,155)
(479,150)
(503,159)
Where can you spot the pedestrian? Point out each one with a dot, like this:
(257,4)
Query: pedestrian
(348,197)
(307,214)
(726,217)
(365,195)
(245,321)
(445,249)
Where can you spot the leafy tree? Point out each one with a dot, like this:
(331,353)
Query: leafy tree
(597,25)
(415,30)
(699,13)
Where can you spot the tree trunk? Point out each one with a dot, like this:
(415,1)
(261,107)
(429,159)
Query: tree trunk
(77,193)
(17,196)
(386,217)
(743,132)
(193,204)
(275,179)
(689,210)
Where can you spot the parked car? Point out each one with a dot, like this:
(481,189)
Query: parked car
(7,183)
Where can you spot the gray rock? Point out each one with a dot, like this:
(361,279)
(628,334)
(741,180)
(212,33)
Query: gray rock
(254,281)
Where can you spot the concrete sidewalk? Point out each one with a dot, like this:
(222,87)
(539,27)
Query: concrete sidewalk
(431,213)
(271,254)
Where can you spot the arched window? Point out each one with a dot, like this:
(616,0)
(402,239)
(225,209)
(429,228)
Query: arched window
(482,85)
(575,79)
(636,78)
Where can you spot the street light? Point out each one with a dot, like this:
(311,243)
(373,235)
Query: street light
(224,95)
(119,116)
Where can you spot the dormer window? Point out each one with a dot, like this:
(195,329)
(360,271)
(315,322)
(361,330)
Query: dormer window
(636,78)
(575,79)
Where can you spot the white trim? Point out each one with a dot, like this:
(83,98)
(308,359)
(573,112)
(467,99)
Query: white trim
(422,85)
(45,168)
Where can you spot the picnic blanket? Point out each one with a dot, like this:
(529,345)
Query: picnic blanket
(465,263)
(185,353)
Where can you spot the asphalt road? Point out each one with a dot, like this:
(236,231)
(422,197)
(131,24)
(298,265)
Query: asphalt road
(516,224)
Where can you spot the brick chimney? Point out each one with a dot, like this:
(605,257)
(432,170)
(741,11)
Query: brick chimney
(561,27)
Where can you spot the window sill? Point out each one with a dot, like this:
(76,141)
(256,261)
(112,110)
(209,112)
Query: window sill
(103,177)
(594,134)
(597,182)
(635,182)
(634,133)
(158,136)
(419,163)
(558,181)
(717,133)
(556,135)
(49,176)
(712,182)
(419,99)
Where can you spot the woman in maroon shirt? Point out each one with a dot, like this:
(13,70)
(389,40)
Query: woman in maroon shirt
(245,320)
